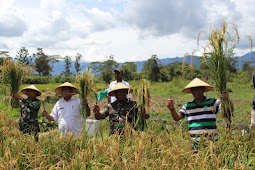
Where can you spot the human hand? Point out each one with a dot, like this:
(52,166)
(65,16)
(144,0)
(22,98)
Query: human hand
(224,94)
(13,93)
(96,109)
(44,113)
(143,112)
(170,104)
(84,101)
(16,95)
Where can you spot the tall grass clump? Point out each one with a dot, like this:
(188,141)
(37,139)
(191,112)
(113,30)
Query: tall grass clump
(87,87)
(13,74)
(217,56)
(143,101)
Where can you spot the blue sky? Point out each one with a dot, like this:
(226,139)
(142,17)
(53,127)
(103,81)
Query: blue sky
(131,30)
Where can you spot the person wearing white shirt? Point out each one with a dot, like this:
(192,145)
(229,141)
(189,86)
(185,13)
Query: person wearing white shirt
(118,79)
(66,110)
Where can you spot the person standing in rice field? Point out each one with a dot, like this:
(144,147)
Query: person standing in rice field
(253,108)
(118,72)
(201,112)
(121,111)
(30,107)
(66,110)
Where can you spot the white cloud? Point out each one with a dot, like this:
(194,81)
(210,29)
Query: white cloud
(125,45)
(63,25)
(12,23)
(5,4)
(97,20)
(51,5)
(164,17)
(129,29)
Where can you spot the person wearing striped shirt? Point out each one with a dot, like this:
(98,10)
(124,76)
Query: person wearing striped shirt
(201,112)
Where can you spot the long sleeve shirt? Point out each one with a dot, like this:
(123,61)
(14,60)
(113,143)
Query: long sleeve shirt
(29,110)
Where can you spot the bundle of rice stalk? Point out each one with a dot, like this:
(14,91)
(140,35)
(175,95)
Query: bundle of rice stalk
(218,60)
(12,75)
(87,87)
(143,101)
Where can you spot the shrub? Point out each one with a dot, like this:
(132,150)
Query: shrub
(65,79)
(37,80)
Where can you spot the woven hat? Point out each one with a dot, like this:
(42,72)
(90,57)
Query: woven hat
(197,83)
(119,86)
(31,87)
(58,90)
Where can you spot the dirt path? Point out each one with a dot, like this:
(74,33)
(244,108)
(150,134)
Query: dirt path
(158,103)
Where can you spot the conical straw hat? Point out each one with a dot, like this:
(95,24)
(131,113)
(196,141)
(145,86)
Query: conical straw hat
(58,90)
(31,87)
(119,86)
(197,83)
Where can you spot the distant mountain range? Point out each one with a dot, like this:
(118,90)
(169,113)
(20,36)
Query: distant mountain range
(59,67)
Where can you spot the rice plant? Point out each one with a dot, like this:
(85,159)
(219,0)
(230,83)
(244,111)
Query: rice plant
(154,149)
(143,100)
(134,151)
(12,75)
(87,87)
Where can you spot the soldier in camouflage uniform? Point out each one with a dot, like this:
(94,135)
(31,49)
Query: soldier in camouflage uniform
(121,111)
(28,122)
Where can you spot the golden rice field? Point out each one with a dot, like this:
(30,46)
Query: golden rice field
(164,145)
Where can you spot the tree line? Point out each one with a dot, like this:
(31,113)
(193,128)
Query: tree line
(152,70)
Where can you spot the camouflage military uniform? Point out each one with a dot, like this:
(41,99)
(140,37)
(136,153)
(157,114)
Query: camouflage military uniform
(118,115)
(28,121)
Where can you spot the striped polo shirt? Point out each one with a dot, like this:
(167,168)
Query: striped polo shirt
(201,118)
